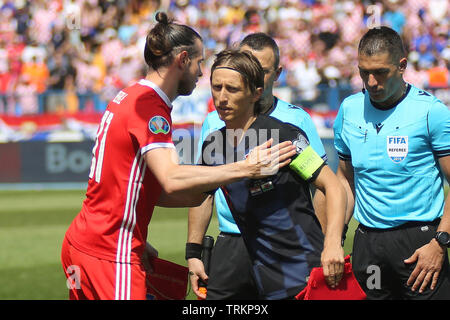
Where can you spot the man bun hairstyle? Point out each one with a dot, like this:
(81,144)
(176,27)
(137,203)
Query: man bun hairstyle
(162,17)
(166,39)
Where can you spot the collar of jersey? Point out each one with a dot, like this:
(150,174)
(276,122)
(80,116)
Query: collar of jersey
(377,106)
(148,83)
(272,107)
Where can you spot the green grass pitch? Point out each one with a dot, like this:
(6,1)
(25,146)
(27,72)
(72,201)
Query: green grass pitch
(32,227)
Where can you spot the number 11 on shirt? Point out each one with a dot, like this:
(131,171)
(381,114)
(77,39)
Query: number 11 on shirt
(97,161)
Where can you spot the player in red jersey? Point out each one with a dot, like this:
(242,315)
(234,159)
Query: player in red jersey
(135,167)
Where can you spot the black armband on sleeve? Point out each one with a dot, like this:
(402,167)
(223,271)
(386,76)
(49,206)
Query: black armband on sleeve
(193,250)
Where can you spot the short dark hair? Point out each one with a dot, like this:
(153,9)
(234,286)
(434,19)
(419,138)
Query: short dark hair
(247,65)
(166,39)
(258,41)
(380,40)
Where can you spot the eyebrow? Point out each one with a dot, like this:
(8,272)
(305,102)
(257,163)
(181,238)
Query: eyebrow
(226,85)
(373,70)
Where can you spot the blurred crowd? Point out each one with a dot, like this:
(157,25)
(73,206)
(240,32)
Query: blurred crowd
(70,55)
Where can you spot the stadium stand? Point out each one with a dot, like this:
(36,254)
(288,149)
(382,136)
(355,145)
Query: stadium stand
(65,59)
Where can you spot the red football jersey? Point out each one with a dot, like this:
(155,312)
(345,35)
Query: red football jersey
(122,191)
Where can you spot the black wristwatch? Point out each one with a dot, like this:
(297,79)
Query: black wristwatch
(443,238)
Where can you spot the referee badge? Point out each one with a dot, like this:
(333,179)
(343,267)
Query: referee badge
(397,147)
(159,124)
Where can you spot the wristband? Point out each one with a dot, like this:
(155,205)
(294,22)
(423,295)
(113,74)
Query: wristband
(193,250)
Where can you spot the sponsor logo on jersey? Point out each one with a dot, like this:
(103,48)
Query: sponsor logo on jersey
(119,97)
(397,147)
(378,127)
(159,124)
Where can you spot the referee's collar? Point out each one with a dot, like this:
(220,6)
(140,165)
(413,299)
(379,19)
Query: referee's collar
(274,105)
(383,108)
(159,91)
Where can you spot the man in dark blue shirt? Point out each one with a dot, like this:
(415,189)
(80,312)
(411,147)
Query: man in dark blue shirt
(274,214)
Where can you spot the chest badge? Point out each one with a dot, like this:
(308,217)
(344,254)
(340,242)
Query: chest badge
(258,187)
(397,147)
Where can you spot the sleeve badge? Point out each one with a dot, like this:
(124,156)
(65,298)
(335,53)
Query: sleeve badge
(159,124)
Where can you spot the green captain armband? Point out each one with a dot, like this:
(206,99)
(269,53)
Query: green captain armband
(306,163)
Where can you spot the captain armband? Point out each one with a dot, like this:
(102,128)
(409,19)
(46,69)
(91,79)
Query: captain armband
(307,163)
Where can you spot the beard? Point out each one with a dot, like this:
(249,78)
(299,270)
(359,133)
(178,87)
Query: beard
(186,86)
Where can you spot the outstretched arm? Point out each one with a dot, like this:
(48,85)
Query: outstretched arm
(177,179)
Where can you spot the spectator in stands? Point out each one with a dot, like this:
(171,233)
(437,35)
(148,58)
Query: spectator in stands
(426,56)
(26,96)
(249,24)
(90,18)
(438,75)
(5,77)
(60,69)
(393,17)
(71,95)
(87,75)
(40,28)
(414,74)
(37,72)
(5,84)
(111,45)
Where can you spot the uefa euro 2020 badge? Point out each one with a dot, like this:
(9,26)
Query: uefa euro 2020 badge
(301,143)
(397,147)
(159,124)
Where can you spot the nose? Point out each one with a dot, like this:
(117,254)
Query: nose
(372,81)
(223,96)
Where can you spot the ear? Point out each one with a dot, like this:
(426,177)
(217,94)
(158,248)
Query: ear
(258,92)
(278,72)
(402,65)
(183,59)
